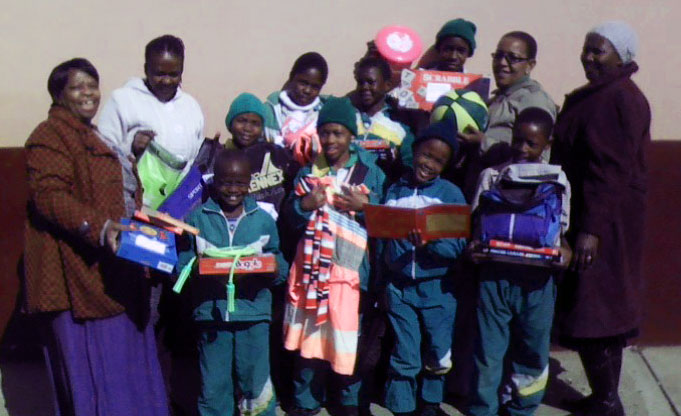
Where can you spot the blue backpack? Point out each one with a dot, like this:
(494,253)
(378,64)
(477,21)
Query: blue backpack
(526,214)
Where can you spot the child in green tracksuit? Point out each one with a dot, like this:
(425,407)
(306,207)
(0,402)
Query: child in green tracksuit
(417,281)
(328,282)
(233,345)
(516,301)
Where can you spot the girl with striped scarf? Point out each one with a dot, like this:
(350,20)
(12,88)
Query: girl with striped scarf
(330,272)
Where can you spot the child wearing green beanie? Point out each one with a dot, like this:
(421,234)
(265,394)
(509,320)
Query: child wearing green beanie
(454,44)
(272,167)
(323,308)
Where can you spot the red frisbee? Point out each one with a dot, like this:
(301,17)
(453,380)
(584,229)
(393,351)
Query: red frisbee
(399,45)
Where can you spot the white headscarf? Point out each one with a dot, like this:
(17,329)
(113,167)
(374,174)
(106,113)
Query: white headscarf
(622,36)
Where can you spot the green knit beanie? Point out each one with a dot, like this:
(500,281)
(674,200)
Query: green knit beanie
(245,103)
(338,110)
(460,28)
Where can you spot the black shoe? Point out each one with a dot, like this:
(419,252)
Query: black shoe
(343,410)
(365,411)
(299,411)
(590,406)
(602,365)
(431,409)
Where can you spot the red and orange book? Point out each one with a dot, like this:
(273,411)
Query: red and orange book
(434,221)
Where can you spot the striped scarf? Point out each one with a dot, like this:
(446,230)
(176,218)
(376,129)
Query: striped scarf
(322,312)
(319,243)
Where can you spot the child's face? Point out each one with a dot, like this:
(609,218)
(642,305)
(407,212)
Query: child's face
(529,141)
(452,53)
(371,87)
(335,139)
(246,129)
(164,75)
(430,159)
(231,182)
(305,86)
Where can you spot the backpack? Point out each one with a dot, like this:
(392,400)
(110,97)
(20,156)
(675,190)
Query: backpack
(521,213)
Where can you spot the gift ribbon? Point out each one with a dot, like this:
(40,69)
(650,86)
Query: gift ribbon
(235,253)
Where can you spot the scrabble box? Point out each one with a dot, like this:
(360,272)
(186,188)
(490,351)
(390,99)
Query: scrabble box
(419,88)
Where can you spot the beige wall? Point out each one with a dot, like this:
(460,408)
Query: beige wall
(235,46)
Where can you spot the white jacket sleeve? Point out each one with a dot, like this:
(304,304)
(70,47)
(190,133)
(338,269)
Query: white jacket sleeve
(112,125)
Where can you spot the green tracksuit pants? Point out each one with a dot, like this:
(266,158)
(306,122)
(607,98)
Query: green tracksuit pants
(510,314)
(422,315)
(235,355)
(315,383)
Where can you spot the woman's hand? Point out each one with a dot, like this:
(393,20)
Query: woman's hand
(350,200)
(565,255)
(315,199)
(113,230)
(414,237)
(471,135)
(141,141)
(586,251)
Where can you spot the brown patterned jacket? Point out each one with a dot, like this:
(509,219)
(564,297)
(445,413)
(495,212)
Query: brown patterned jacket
(75,186)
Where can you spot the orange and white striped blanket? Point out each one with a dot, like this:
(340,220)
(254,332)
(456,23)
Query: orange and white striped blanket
(322,310)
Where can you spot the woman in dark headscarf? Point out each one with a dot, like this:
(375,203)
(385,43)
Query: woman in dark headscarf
(601,138)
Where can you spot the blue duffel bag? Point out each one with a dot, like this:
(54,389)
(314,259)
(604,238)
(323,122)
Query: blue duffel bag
(527,214)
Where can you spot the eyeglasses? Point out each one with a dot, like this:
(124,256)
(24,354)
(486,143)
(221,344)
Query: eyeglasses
(510,58)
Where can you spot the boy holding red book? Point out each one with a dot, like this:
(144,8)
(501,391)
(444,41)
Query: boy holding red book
(418,295)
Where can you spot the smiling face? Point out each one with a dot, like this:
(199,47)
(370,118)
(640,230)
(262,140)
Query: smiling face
(80,95)
(246,129)
(599,58)
(164,75)
(529,142)
(452,52)
(231,183)
(305,86)
(430,159)
(511,62)
(335,140)
(371,89)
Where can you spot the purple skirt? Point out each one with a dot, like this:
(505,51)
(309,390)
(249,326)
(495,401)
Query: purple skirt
(104,367)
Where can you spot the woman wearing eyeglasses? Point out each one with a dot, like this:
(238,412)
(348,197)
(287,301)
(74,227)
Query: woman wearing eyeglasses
(601,138)
(512,63)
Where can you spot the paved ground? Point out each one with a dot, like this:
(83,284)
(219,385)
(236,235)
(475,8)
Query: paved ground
(651,385)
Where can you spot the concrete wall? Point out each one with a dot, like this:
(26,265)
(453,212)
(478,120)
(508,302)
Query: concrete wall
(233,46)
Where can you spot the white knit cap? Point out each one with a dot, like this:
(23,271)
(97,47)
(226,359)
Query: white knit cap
(622,37)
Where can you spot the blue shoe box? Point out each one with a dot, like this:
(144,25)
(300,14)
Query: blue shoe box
(148,245)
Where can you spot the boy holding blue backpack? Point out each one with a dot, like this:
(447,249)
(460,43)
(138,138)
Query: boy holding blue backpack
(525,202)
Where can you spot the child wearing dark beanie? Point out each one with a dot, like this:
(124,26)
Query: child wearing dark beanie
(417,287)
